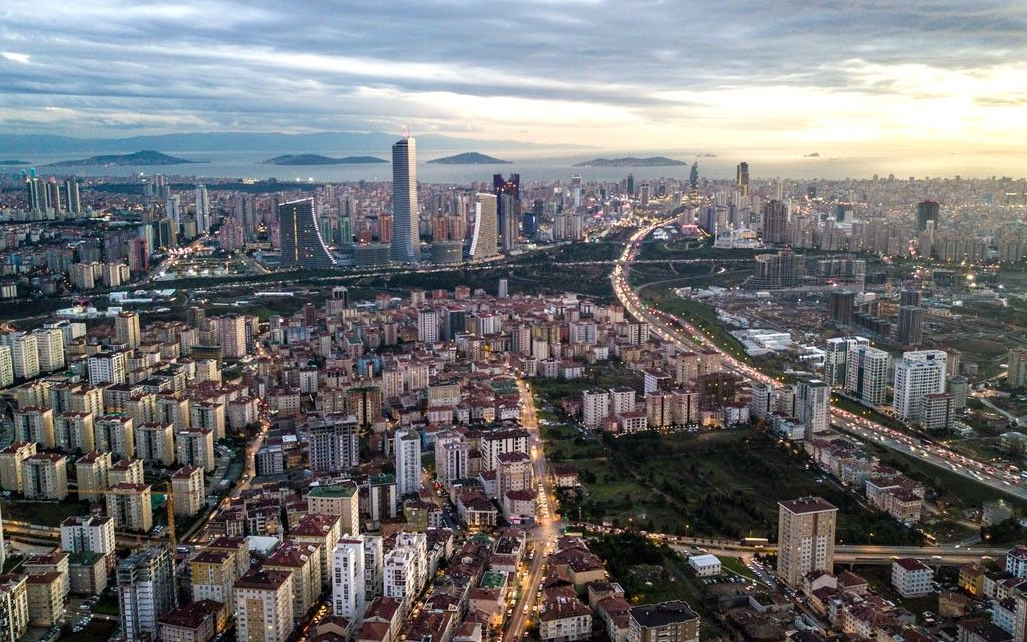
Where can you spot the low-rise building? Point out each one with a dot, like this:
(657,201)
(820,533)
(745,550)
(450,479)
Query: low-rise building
(664,622)
(911,577)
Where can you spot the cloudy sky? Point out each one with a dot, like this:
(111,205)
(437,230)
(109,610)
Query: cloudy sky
(764,74)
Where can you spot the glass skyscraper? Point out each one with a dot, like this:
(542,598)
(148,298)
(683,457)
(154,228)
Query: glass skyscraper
(406,245)
(302,245)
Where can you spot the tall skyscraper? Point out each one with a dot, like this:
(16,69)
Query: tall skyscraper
(408,461)
(71,192)
(812,405)
(775,221)
(202,210)
(302,245)
(866,373)
(406,245)
(805,538)
(909,332)
(835,357)
(926,211)
(841,305)
(146,591)
(483,243)
(348,577)
(742,178)
(508,195)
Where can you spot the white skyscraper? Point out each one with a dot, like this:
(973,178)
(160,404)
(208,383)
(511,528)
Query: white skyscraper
(24,353)
(173,208)
(866,374)
(835,356)
(406,246)
(486,227)
(50,343)
(917,373)
(202,209)
(408,461)
(348,579)
(813,405)
(428,325)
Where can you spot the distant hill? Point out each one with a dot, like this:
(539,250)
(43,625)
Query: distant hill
(631,161)
(469,158)
(317,159)
(263,142)
(13,162)
(145,157)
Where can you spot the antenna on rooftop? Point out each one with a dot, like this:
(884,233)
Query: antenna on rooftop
(406,132)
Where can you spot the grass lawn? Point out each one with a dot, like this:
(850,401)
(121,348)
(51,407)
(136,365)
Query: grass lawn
(857,408)
(107,605)
(735,565)
(43,513)
(713,484)
(651,573)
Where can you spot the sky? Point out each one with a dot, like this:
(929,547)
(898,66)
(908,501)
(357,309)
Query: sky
(822,76)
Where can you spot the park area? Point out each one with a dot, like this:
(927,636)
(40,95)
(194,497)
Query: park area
(718,484)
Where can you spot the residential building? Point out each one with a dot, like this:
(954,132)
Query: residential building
(866,374)
(339,499)
(348,578)
(664,622)
(196,448)
(130,506)
(911,577)
(46,596)
(45,476)
(146,591)
(917,374)
(92,471)
(806,531)
(12,460)
(14,607)
(333,442)
(408,461)
(264,606)
(187,490)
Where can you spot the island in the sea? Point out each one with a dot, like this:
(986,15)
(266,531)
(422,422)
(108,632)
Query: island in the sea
(13,162)
(317,159)
(469,158)
(145,157)
(631,161)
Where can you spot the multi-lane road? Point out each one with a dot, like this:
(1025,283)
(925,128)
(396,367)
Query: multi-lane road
(687,337)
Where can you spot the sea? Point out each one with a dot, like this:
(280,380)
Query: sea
(555,164)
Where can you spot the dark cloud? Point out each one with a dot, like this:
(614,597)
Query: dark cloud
(311,64)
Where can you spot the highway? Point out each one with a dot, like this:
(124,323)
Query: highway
(686,337)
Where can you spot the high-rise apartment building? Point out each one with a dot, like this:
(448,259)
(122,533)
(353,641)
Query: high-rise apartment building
(264,606)
(866,374)
(917,373)
(805,538)
(146,591)
(813,405)
(927,211)
(348,578)
(508,195)
(408,461)
(836,356)
(126,329)
(333,441)
(1016,371)
(909,331)
(406,245)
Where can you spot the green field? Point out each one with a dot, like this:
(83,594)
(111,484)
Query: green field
(43,513)
(706,484)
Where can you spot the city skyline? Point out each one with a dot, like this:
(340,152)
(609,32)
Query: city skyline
(837,78)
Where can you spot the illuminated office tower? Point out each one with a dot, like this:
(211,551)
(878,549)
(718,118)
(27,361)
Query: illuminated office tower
(406,247)
(302,245)
(508,195)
